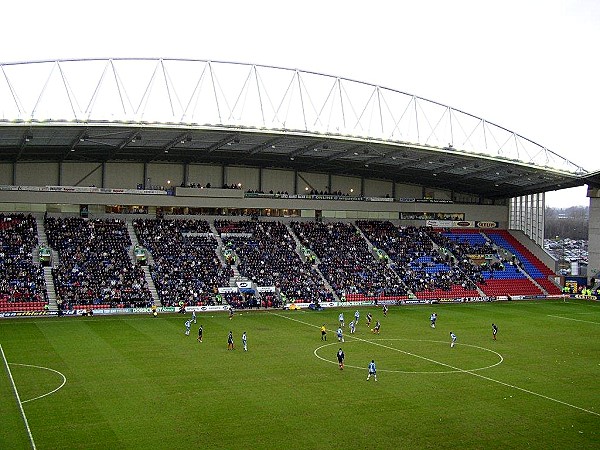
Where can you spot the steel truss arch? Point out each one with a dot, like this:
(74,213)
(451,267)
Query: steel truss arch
(189,92)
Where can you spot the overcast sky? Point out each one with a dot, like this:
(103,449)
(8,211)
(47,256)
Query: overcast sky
(529,66)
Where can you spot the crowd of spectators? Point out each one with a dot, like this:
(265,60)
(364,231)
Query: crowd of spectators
(241,300)
(311,192)
(345,260)
(421,265)
(94,265)
(186,266)
(267,255)
(225,226)
(457,252)
(271,192)
(20,279)
(210,186)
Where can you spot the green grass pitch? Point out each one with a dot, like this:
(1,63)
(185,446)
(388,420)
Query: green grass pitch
(139,382)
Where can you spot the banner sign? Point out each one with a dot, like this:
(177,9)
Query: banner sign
(298,305)
(25,314)
(306,305)
(115,311)
(432,200)
(480,256)
(487,224)
(207,308)
(450,300)
(266,288)
(227,290)
(82,190)
(319,197)
(244,284)
(450,223)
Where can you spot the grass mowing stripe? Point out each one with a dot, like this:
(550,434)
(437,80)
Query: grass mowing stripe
(458,369)
(16,392)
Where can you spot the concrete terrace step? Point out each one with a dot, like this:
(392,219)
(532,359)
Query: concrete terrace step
(51,289)
(151,285)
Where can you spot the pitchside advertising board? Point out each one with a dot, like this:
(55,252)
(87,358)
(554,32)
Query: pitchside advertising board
(244,285)
(109,311)
(207,308)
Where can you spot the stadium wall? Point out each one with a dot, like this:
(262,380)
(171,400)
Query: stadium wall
(131,175)
(537,251)
(22,200)
(594,234)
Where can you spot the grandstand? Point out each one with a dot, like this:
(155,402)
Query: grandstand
(265,201)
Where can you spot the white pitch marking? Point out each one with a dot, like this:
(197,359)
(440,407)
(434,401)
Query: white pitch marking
(14,386)
(475,374)
(575,320)
(401,351)
(44,368)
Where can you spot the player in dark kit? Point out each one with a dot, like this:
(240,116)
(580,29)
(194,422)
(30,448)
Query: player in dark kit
(200,332)
(494,331)
(340,358)
(376,328)
(230,341)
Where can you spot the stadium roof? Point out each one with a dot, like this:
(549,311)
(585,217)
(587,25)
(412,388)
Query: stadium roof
(162,110)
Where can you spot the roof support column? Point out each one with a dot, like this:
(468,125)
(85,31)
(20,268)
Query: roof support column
(103,181)
(14,173)
(260,179)
(186,173)
(146,180)
(223,176)
(329,183)
(362,186)
(295,182)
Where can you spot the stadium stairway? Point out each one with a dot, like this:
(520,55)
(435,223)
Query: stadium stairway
(326,283)
(357,228)
(296,240)
(220,245)
(48,279)
(42,239)
(50,289)
(315,264)
(151,285)
(135,241)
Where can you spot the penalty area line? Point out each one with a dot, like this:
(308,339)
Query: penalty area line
(16,392)
(458,369)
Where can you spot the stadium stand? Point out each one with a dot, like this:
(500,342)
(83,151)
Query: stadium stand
(525,259)
(493,274)
(346,262)
(423,268)
(186,266)
(22,285)
(94,269)
(268,257)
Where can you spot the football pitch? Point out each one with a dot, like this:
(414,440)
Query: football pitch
(127,382)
